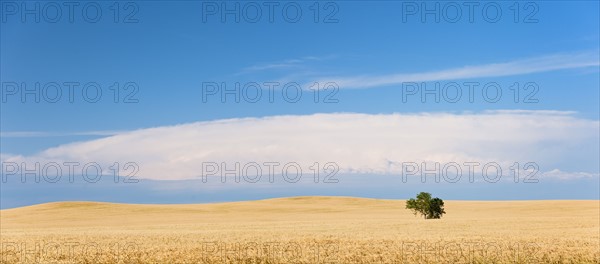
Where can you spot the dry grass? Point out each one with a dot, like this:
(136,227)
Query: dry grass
(302,230)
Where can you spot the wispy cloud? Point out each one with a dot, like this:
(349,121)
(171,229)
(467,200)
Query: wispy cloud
(358,143)
(290,63)
(516,67)
(15,134)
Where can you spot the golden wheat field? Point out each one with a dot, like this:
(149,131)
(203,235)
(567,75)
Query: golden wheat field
(302,230)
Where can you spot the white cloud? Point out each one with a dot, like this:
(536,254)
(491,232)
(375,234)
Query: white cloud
(358,143)
(563,175)
(516,67)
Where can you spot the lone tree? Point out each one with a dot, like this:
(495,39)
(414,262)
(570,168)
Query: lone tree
(424,205)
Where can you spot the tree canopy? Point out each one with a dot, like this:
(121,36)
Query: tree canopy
(426,206)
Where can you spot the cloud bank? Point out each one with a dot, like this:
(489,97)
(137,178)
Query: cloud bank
(357,143)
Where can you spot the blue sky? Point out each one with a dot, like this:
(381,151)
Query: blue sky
(169,53)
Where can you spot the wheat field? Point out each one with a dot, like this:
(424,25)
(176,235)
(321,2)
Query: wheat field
(302,230)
